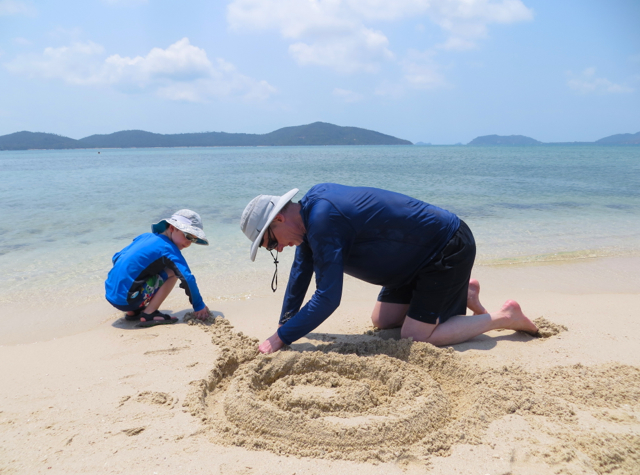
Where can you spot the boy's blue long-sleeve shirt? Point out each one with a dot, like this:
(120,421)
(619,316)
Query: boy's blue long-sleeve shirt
(375,235)
(148,255)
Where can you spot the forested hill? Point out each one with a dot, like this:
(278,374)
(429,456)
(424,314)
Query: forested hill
(318,133)
(37,140)
(504,140)
(619,139)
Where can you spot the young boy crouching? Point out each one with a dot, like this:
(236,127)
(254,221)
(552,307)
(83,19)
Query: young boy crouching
(145,272)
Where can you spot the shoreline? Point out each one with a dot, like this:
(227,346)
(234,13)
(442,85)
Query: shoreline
(580,275)
(562,257)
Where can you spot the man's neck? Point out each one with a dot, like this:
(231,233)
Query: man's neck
(295,214)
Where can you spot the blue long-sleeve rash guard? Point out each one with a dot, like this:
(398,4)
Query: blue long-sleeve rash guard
(378,236)
(148,255)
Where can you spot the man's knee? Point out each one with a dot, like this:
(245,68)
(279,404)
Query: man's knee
(375,320)
(388,315)
(383,323)
(417,330)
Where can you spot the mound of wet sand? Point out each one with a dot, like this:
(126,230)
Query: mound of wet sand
(386,400)
(547,329)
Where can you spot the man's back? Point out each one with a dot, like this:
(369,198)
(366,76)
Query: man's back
(384,237)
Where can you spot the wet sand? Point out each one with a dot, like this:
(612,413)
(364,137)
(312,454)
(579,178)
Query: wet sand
(198,398)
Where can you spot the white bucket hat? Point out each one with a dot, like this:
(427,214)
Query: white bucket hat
(258,214)
(186,221)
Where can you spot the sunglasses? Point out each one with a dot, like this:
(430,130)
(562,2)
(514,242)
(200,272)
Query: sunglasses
(190,237)
(272,242)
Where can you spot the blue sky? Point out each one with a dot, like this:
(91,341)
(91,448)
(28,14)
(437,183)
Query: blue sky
(439,71)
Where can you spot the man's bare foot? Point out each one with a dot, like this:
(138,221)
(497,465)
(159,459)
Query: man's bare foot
(473,298)
(511,317)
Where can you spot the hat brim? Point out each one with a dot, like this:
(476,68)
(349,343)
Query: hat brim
(197,232)
(284,199)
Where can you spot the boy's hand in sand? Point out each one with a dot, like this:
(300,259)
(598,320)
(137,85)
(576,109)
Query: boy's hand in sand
(271,344)
(202,314)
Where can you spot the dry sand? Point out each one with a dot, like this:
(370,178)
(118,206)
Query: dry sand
(198,398)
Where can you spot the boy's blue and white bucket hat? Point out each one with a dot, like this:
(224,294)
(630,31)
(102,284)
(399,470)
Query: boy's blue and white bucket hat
(258,214)
(186,221)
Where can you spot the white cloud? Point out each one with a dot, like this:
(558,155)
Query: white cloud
(16,7)
(587,83)
(336,33)
(74,64)
(180,72)
(364,50)
(329,36)
(221,81)
(179,62)
(466,21)
(21,41)
(346,95)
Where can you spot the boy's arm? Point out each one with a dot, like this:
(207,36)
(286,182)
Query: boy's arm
(202,314)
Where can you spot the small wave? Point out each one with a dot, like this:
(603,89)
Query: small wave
(558,257)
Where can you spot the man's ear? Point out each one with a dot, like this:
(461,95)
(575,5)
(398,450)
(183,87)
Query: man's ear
(279,218)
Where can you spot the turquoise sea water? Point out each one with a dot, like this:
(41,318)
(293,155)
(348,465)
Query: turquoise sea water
(65,213)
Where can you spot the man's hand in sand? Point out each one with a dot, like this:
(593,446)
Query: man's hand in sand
(271,344)
(202,314)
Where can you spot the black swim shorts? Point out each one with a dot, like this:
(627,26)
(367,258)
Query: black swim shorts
(439,290)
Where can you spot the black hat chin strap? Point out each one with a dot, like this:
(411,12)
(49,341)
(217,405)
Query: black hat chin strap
(274,280)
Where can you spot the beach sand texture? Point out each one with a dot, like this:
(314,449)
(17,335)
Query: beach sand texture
(198,398)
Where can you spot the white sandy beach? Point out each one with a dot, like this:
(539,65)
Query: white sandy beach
(118,399)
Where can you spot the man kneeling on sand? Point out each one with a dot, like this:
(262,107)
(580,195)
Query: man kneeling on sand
(420,254)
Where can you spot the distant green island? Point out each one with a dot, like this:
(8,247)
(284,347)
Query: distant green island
(618,139)
(318,133)
(504,140)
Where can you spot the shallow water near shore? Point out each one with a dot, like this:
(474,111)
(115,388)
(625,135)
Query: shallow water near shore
(67,212)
